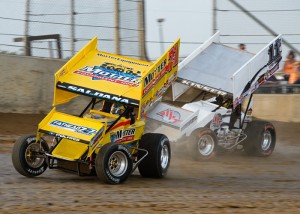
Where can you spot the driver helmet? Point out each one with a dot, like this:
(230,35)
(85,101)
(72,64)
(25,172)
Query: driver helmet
(117,108)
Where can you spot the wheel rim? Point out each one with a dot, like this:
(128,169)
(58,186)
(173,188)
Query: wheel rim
(31,157)
(164,157)
(205,145)
(267,140)
(118,163)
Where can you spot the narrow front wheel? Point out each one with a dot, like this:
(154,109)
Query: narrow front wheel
(28,156)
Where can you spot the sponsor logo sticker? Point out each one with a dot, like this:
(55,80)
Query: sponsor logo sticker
(170,116)
(72,127)
(112,73)
(216,122)
(122,136)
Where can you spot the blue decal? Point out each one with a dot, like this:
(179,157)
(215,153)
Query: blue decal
(74,128)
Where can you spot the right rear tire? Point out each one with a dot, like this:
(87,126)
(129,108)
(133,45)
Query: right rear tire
(261,138)
(157,162)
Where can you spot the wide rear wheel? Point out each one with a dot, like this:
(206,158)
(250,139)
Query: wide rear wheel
(261,138)
(157,162)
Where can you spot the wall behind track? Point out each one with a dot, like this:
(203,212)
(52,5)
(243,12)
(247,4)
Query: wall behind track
(26,83)
(279,107)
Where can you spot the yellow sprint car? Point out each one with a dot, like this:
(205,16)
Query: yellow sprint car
(107,137)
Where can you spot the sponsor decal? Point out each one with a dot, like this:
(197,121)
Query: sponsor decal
(95,93)
(122,135)
(74,128)
(274,53)
(36,172)
(30,140)
(170,116)
(108,173)
(152,78)
(122,60)
(173,56)
(68,137)
(163,68)
(63,136)
(202,87)
(262,79)
(112,73)
(216,122)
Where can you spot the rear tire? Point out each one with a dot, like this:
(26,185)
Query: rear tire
(203,144)
(113,163)
(157,162)
(261,138)
(27,156)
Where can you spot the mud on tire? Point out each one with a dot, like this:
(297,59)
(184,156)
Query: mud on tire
(27,156)
(113,163)
(157,162)
(261,138)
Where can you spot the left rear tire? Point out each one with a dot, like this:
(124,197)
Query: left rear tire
(261,138)
(157,162)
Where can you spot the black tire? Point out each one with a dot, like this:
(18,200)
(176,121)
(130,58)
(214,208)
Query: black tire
(203,144)
(27,156)
(113,163)
(261,138)
(157,162)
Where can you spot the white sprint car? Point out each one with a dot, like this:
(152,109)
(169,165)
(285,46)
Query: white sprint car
(209,109)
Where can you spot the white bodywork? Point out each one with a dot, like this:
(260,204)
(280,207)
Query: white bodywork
(219,70)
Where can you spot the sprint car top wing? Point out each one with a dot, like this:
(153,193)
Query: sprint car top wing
(113,77)
(219,69)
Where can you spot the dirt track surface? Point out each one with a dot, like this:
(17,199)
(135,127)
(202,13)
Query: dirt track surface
(231,183)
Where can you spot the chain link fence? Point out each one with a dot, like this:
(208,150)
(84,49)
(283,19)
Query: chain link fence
(58,29)
(255,23)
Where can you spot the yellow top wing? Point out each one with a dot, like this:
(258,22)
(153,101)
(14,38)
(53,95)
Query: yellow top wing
(102,75)
(117,78)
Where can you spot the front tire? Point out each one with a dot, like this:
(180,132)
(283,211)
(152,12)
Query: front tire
(261,138)
(157,162)
(203,144)
(113,163)
(27,156)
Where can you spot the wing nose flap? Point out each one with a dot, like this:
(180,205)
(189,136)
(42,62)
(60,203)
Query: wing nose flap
(70,150)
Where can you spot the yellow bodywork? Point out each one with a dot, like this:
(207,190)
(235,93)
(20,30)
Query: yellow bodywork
(69,150)
(109,77)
